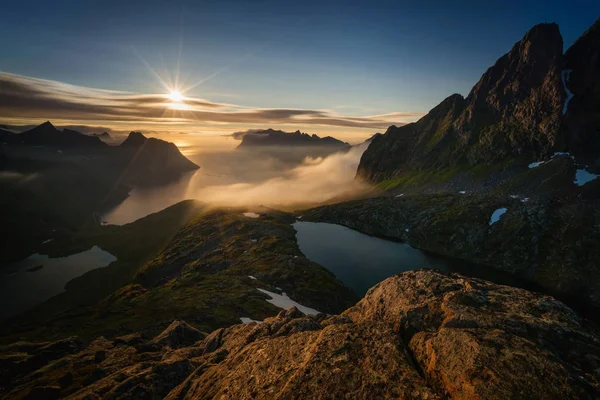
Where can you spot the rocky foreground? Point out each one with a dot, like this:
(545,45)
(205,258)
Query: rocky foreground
(418,335)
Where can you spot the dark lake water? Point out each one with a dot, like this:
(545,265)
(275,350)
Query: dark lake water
(361,261)
(24,284)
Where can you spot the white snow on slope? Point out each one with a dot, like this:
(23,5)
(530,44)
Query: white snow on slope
(566,76)
(535,164)
(496,215)
(557,154)
(251,215)
(582,177)
(247,320)
(283,301)
(251,277)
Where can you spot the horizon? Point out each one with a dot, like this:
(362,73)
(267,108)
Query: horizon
(358,70)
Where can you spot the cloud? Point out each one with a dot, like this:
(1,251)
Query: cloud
(26,97)
(314,181)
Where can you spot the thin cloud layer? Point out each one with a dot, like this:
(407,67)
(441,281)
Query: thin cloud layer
(26,97)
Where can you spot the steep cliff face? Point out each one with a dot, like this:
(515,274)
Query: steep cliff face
(418,335)
(514,112)
(581,76)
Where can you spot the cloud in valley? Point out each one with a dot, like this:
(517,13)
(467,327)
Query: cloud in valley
(314,181)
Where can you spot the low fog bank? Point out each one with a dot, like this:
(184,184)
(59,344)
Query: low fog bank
(315,180)
(245,178)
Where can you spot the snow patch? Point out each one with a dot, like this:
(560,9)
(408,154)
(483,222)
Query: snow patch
(525,200)
(496,215)
(514,196)
(299,216)
(251,215)
(582,177)
(247,320)
(566,77)
(557,154)
(462,192)
(407,230)
(400,195)
(283,301)
(535,164)
(251,277)
(46,241)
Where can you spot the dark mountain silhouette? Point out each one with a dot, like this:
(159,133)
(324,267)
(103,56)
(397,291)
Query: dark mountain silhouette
(271,137)
(47,135)
(135,139)
(582,79)
(516,110)
(103,135)
(6,136)
(153,160)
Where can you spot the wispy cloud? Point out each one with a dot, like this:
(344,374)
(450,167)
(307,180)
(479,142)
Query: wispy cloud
(26,97)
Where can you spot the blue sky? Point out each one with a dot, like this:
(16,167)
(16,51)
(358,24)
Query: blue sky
(351,58)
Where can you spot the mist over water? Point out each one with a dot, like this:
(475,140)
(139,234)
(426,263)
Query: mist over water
(230,177)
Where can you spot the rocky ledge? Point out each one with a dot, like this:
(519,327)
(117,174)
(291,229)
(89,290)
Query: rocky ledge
(418,335)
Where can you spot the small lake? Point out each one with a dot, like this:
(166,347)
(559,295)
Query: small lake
(24,284)
(361,261)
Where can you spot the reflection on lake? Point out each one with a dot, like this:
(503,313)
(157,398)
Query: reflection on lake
(361,261)
(37,278)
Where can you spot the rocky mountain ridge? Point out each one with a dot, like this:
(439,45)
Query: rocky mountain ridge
(47,135)
(521,110)
(418,335)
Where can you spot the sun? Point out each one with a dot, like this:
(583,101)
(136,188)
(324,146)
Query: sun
(175,96)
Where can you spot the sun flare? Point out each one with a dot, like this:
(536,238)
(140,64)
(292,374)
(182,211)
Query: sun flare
(175,96)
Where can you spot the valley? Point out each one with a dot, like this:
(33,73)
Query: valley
(451,257)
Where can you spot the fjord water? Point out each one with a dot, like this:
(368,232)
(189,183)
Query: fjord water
(361,261)
(26,285)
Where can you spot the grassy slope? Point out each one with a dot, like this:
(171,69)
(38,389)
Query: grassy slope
(201,276)
(133,244)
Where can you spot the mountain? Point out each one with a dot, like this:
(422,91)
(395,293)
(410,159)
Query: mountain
(47,135)
(270,137)
(153,161)
(103,135)
(6,136)
(582,79)
(517,112)
(135,139)
(418,335)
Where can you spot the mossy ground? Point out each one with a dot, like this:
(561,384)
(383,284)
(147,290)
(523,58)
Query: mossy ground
(202,275)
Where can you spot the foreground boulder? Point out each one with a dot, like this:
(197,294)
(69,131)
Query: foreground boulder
(418,335)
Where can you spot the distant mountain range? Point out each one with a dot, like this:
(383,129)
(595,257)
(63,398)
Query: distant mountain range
(533,102)
(288,147)
(47,135)
(59,179)
(271,137)
(103,135)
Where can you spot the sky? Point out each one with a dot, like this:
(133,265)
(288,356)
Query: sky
(342,68)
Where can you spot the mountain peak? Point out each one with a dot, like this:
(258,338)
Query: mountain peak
(46,126)
(135,139)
